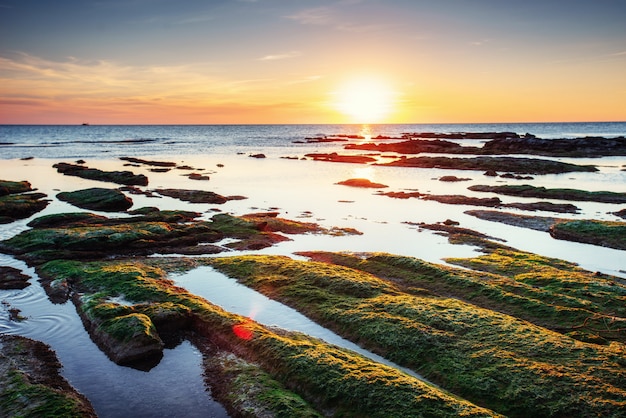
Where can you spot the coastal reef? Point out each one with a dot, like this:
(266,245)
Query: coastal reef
(19,201)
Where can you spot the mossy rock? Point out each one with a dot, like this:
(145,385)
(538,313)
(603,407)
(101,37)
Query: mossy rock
(127,178)
(602,233)
(8,187)
(30,383)
(493,359)
(21,206)
(98,198)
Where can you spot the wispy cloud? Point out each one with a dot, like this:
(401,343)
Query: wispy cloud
(337,18)
(274,57)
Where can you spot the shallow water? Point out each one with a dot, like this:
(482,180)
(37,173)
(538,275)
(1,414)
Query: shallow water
(234,297)
(175,387)
(304,190)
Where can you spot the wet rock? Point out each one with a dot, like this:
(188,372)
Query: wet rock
(193,196)
(516,165)
(526,190)
(463,200)
(31,383)
(12,278)
(336,158)
(365,183)
(620,213)
(416,146)
(545,206)
(21,206)
(257,156)
(198,176)
(565,147)
(118,177)
(453,179)
(12,187)
(537,223)
(97,198)
(491,173)
(595,232)
(159,170)
(148,162)
(60,220)
(401,195)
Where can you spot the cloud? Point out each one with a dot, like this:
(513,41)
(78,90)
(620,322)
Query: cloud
(338,19)
(286,55)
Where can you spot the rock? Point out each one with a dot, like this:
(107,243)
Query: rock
(620,213)
(336,158)
(526,190)
(257,155)
(193,196)
(603,233)
(119,177)
(453,178)
(516,165)
(13,187)
(198,176)
(97,198)
(31,383)
(365,183)
(12,278)
(544,206)
(463,200)
(491,173)
(21,206)
(148,162)
(60,220)
(450,222)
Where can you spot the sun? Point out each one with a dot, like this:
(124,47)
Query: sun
(365,99)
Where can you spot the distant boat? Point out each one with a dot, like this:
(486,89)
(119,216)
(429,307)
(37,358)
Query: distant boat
(85,124)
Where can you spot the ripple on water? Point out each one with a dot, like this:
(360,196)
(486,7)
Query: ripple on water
(175,387)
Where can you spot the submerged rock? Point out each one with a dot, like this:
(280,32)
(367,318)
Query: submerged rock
(98,198)
(193,196)
(12,278)
(516,165)
(365,183)
(120,177)
(526,190)
(336,158)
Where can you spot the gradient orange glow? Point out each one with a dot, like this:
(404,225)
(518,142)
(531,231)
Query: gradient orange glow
(323,61)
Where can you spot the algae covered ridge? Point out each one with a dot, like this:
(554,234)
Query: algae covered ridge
(503,332)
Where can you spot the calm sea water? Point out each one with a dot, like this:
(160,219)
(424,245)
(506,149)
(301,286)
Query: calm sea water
(106,141)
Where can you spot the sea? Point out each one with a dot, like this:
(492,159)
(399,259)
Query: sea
(112,141)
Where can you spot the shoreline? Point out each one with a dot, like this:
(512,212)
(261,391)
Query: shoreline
(296,215)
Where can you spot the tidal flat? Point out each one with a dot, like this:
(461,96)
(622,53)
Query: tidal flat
(490,319)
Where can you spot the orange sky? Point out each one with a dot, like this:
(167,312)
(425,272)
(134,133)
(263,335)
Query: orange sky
(270,61)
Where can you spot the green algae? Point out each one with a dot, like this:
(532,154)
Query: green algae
(490,358)
(526,190)
(327,377)
(30,385)
(603,233)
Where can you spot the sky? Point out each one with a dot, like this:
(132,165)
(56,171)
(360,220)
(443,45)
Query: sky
(311,61)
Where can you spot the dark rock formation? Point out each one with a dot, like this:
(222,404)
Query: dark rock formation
(336,158)
(544,206)
(450,179)
(516,165)
(97,198)
(193,196)
(31,384)
(568,147)
(12,278)
(198,176)
(526,190)
(365,183)
(148,162)
(602,233)
(118,177)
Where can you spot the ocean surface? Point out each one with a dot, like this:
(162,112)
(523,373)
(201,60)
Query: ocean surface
(110,141)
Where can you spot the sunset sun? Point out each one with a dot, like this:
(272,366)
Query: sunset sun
(365,99)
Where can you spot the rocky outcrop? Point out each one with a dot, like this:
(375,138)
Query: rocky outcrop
(119,177)
(568,147)
(364,183)
(193,196)
(97,198)
(526,190)
(336,158)
(31,384)
(16,203)
(12,278)
(512,164)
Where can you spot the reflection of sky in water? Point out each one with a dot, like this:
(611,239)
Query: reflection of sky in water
(237,298)
(296,187)
(175,387)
